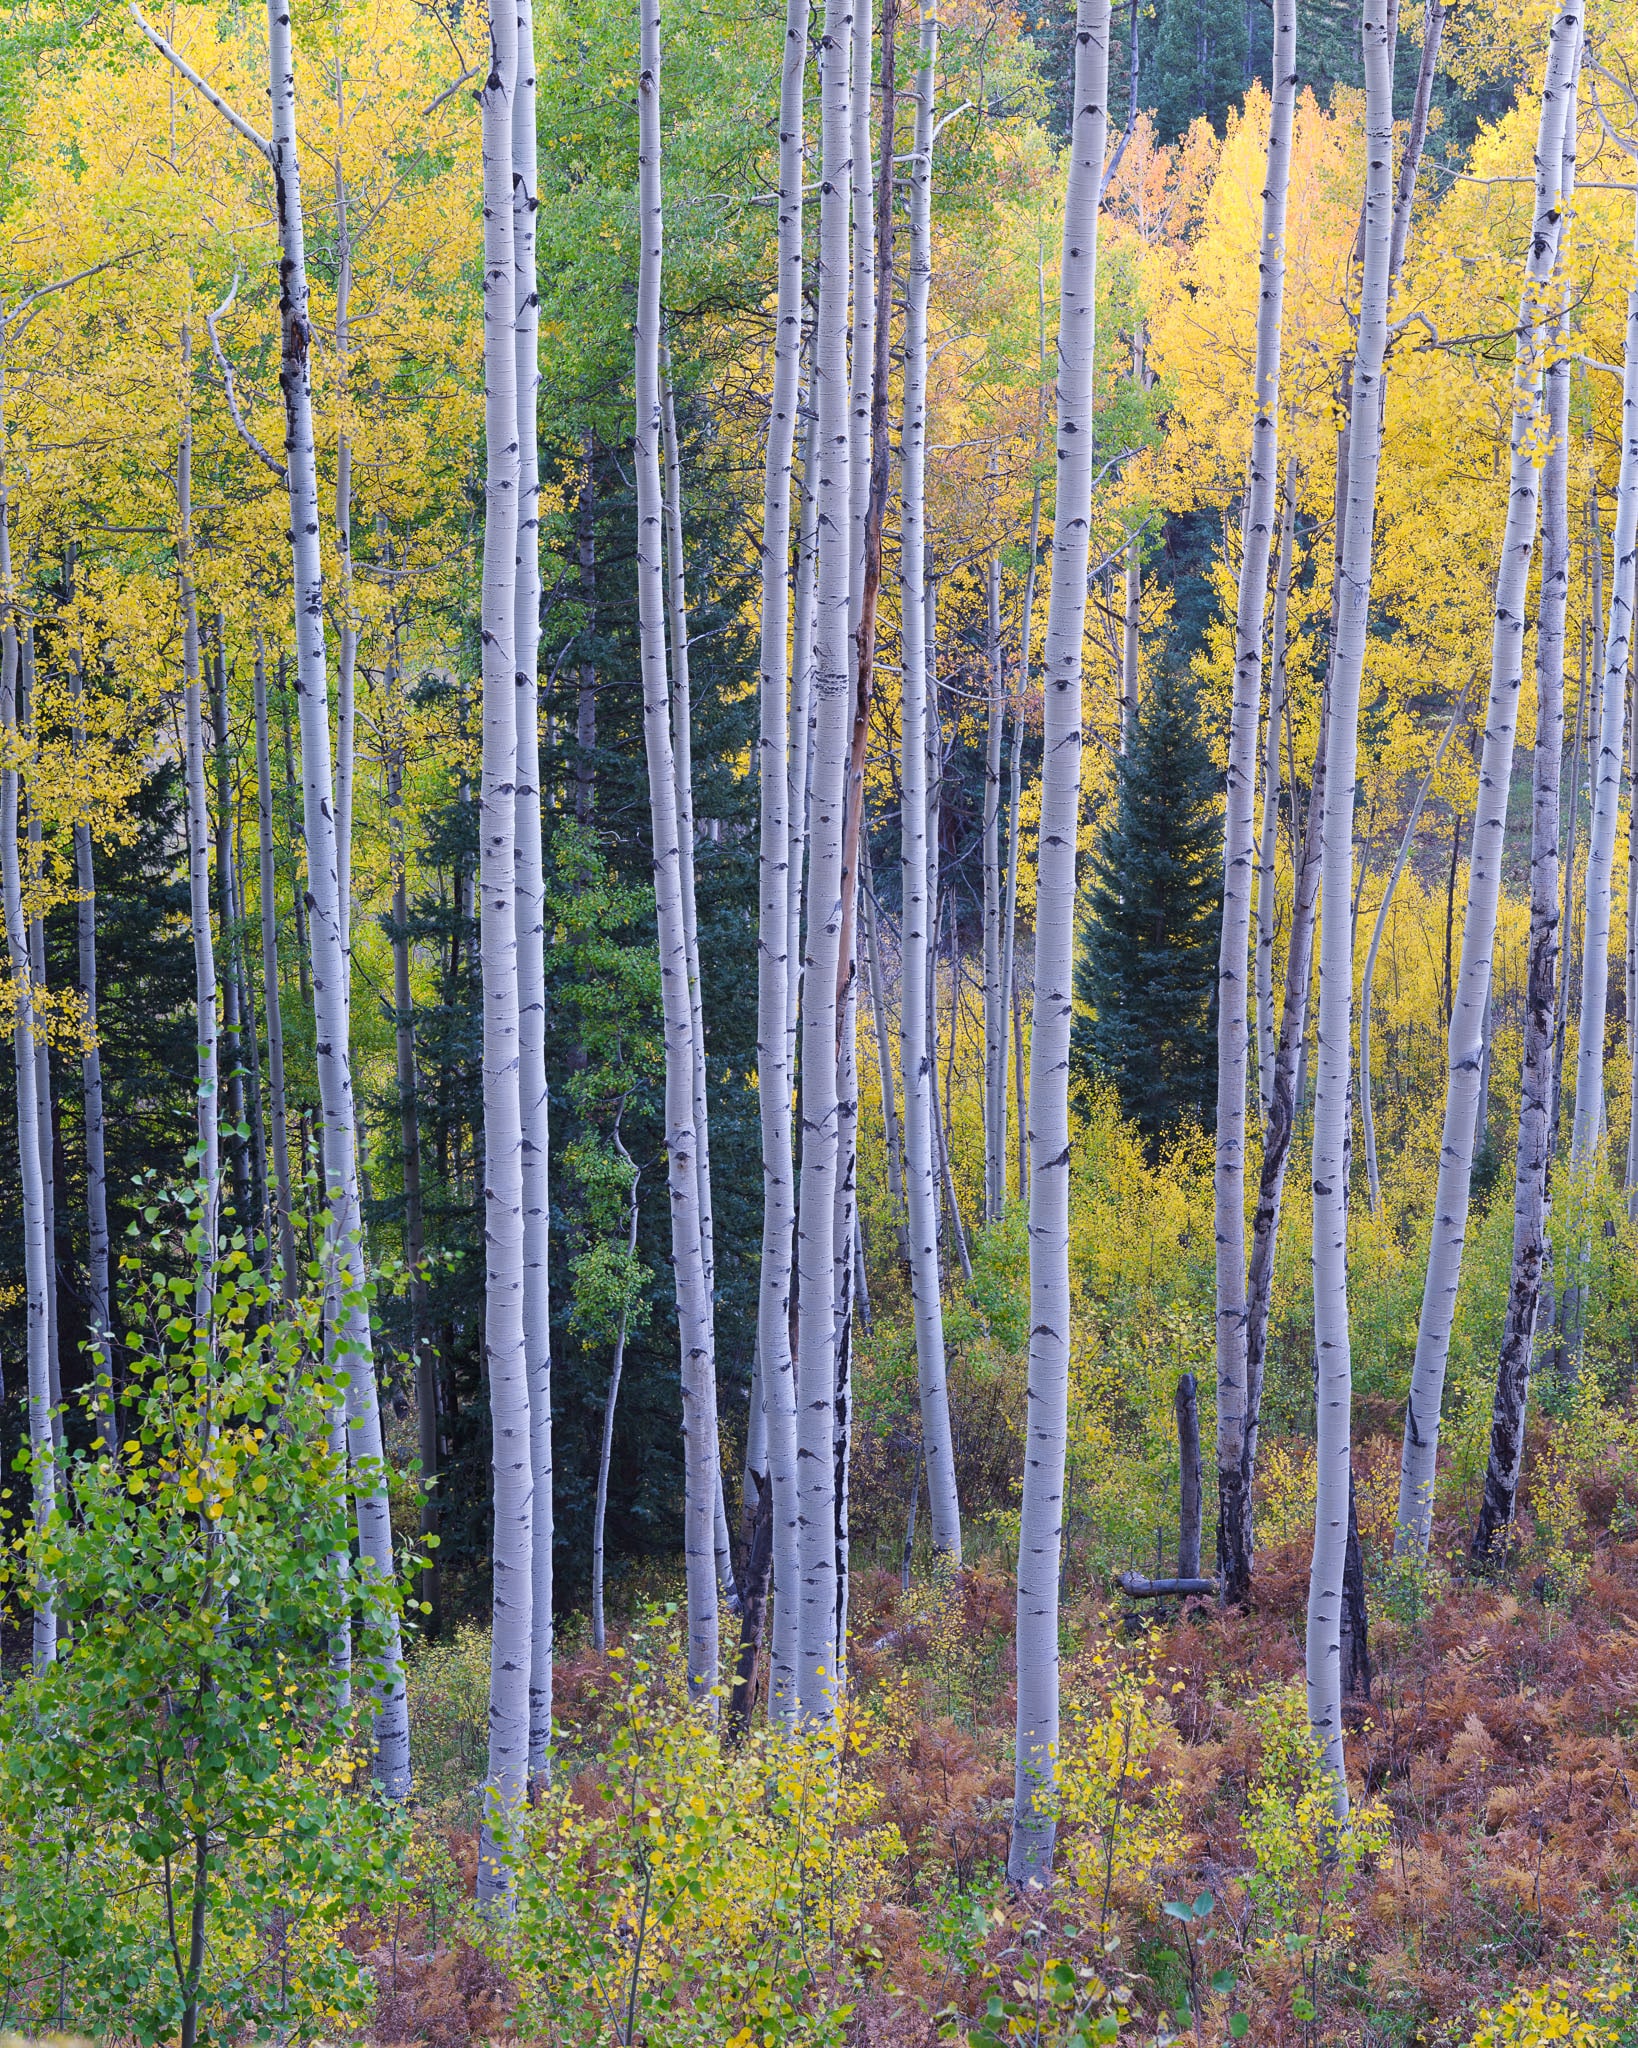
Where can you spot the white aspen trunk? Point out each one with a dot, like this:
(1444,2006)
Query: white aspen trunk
(832,723)
(605,1452)
(42,1480)
(862,358)
(352,1342)
(207,1111)
(995,1015)
(1239,847)
(1268,839)
(1034,1824)
(273,1003)
(1010,1009)
(1606,780)
(1368,978)
(347,633)
(699,1393)
(779,872)
(506,1788)
(1533,1160)
(1419,1454)
(96,1172)
(882,1026)
(530,904)
(1632,945)
(917,934)
(804,621)
(1334,1065)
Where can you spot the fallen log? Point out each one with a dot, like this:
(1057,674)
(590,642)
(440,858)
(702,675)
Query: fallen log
(1140,1588)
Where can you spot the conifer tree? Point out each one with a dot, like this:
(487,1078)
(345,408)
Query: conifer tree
(1146,973)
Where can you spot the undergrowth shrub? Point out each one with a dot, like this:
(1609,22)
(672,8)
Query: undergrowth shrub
(681,1892)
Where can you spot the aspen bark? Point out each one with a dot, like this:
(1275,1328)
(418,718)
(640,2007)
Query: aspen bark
(831,701)
(1011,1008)
(268,875)
(1239,849)
(1268,838)
(918,932)
(1606,778)
(801,746)
(42,1477)
(505,1353)
(779,882)
(881,1024)
(605,1452)
(687,1251)
(233,995)
(96,1171)
(1421,1436)
(995,1016)
(1034,1826)
(530,902)
(1334,1066)
(207,1083)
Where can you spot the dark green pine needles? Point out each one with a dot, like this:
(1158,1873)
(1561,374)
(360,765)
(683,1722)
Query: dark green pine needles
(1146,963)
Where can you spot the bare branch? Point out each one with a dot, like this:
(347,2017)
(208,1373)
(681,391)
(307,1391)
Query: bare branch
(231,389)
(234,120)
(449,91)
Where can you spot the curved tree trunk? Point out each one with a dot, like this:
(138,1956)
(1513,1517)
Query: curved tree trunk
(699,1393)
(917,934)
(505,1353)
(1419,1453)
(779,872)
(268,877)
(530,907)
(1034,1825)
(1239,847)
(995,1016)
(1333,1075)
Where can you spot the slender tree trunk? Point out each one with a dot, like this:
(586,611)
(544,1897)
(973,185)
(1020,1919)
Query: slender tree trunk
(1268,840)
(585,706)
(799,784)
(1239,848)
(270,982)
(199,838)
(343,1247)
(882,1026)
(1631,1182)
(918,929)
(831,697)
(298,895)
(232,982)
(606,1448)
(995,1016)
(1606,794)
(1421,1439)
(1034,1825)
(1334,1067)
(779,885)
(42,1477)
(1434,13)
(1011,1013)
(1566,963)
(96,1171)
(504,1340)
(1368,978)
(687,1250)
(530,906)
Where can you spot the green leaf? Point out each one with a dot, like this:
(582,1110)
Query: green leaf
(1301,2008)
(1202,1905)
(1178,1910)
(1239,2025)
(1222,1980)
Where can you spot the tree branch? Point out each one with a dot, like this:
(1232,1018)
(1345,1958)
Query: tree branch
(234,120)
(231,390)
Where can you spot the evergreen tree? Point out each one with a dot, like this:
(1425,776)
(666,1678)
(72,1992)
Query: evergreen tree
(1146,976)
(1196,63)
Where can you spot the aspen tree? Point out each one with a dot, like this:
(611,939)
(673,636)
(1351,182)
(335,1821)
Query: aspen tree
(511,1638)
(1034,1825)
(1606,779)
(283,1224)
(917,936)
(699,1390)
(206,1112)
(1233,1028)
(1532,1170)
(1268,837)
(529,889)
(96,1170)
(799,787)
(42,1476)
(1421,1437)
(778,854)
(995,1016)
(351,1340)
(831,697)
(1333,1067)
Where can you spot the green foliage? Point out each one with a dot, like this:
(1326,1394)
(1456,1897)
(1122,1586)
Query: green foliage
(181,1831)
(1146,976)
(681,1894)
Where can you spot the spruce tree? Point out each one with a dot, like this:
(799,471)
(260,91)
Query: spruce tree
(1146,972)
(1198,63)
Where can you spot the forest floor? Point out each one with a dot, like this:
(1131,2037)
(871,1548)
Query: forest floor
(1498,1753)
